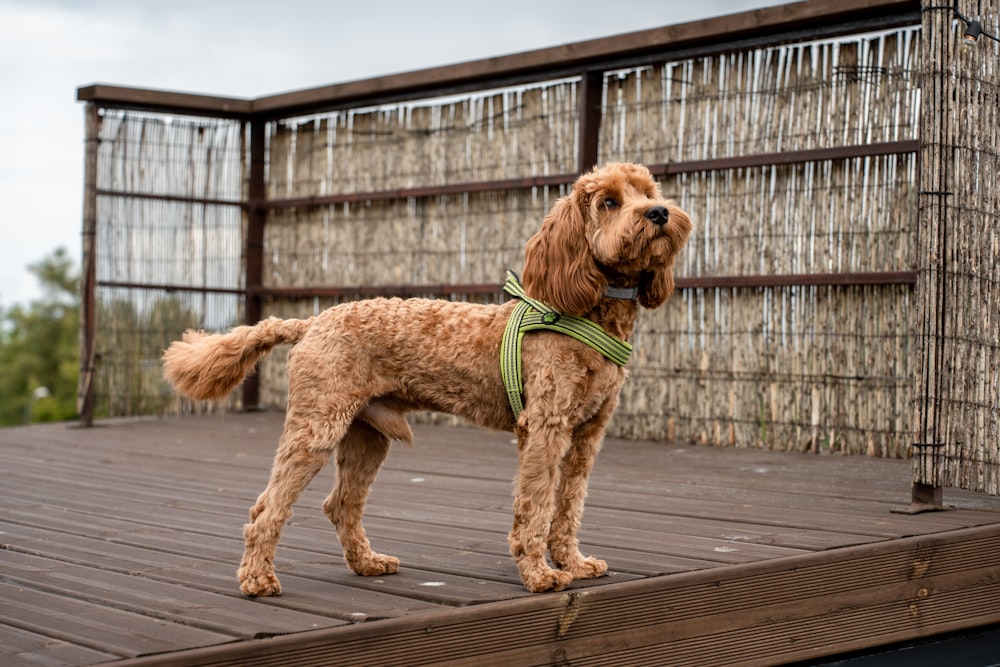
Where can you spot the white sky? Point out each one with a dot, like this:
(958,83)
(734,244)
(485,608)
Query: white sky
(238,48)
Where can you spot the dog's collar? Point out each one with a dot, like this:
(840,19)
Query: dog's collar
(624,293)
(627,293)
(533,315)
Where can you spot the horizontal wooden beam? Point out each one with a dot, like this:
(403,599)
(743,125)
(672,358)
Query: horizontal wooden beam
(367,291)
(419,192)
(788,157)
(204,201)
(169,289)
(872,278)
(110,96)
(663,169)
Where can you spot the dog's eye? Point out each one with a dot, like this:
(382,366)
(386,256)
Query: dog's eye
(611,203)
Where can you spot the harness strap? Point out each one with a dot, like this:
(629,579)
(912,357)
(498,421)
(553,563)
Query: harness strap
(534,315)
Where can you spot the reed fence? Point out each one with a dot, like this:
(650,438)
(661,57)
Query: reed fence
(956,342)
(802,155)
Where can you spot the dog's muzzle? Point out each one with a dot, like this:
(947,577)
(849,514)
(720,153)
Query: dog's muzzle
(658,215)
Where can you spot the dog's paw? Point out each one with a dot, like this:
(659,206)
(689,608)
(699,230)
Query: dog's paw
(374,565)
(586,568)
(259,585)
(546,579)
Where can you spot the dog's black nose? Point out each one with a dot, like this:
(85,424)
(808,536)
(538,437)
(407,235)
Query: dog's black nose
(658,215)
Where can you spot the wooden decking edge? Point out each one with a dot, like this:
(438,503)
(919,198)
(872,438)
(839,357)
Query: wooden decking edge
(787,609)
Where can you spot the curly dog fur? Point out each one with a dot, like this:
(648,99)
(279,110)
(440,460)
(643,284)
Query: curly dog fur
(357,368)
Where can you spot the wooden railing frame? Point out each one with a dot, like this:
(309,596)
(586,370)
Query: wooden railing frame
(588,61)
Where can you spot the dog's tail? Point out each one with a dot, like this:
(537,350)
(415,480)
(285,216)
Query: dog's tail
(206,366)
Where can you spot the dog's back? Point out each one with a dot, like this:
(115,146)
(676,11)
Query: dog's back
(419,354)
(395,350)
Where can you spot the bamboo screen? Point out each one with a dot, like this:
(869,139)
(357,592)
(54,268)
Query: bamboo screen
(818,368)
(169,248)
(821,367)
(957,342)
(482,137)
(858,90)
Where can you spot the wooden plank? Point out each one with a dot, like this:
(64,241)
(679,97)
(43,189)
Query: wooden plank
(437,586)
(644,539)
(225,614)
(391,535)
(348,603)
(220,546)
(175,554)
(100,553)
(147,502)
(21,648)
(100,628)
(743,516)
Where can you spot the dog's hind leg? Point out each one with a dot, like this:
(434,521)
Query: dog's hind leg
(359,456)
(564,547)
(295,463)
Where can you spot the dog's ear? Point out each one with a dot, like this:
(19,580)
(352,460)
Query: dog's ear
(656,286)
(558,266)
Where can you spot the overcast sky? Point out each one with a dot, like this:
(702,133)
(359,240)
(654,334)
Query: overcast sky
(239,48)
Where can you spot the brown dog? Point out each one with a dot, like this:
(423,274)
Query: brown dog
(357,368)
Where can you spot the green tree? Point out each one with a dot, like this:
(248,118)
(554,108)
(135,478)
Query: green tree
(39,349)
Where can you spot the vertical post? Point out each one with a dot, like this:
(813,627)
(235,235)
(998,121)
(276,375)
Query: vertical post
(254,277)
(930,299)
(589,100)
(88,277)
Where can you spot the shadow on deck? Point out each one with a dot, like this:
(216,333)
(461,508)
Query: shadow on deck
(120,544)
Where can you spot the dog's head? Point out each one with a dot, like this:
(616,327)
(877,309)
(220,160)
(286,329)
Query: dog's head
(614,227)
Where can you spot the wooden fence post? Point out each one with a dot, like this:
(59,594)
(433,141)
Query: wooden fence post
(256,215)
(930,297)
(589,100)
(88,273)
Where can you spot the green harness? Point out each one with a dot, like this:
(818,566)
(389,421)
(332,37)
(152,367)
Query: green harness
(533,315)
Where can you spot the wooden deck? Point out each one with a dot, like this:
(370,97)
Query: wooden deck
(120,544)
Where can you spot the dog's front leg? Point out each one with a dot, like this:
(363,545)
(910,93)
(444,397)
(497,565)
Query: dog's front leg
(564,546)
(541,448)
